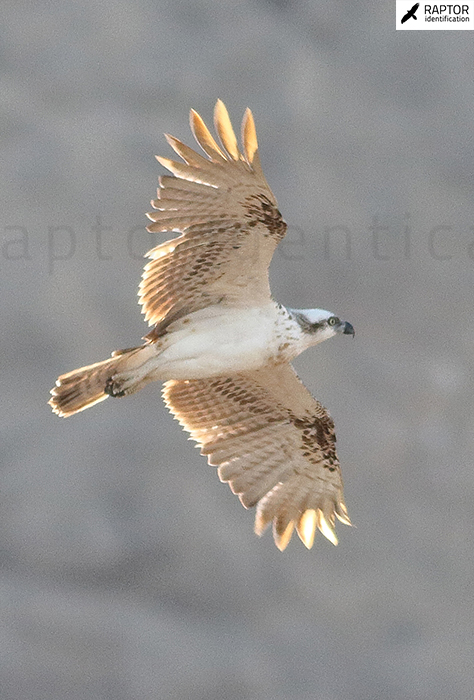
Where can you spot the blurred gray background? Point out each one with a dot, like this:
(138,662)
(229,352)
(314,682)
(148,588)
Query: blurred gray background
(128,571)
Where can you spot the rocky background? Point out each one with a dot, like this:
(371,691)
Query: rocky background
(128,572)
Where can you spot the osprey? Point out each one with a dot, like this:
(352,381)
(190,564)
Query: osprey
(222,345)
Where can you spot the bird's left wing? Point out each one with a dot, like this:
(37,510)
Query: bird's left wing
(272,441)
(229,221)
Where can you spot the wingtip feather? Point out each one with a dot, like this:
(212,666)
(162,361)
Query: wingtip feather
(204,137)
(249,136)
(224,128)
(282,538)
(326,527)
(342,514)
(306,527)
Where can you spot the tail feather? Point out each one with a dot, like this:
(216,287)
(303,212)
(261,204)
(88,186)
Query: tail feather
(84,387)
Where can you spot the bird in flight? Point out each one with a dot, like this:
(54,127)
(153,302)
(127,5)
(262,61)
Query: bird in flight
(410,13)
(220,343)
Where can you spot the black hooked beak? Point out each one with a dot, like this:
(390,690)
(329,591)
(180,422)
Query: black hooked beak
(348,328)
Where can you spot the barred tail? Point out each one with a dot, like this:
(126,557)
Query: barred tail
(84,387)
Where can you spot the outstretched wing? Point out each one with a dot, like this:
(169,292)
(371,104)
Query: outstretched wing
(272,442)
(229,221)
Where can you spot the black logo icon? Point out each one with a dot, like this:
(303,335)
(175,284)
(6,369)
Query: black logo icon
(411,13)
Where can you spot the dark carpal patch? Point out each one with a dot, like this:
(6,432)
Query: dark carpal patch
(261,210)
(319,440)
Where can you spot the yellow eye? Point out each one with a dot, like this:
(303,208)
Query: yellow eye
(332,320)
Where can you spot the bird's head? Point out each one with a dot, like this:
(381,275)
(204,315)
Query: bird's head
(320,324)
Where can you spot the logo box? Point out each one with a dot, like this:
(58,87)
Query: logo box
(425,16)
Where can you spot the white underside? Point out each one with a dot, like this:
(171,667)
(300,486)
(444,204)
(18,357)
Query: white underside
(217,341)
(220,341)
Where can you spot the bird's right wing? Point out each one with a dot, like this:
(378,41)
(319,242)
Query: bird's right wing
(229,221)
(273,442)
